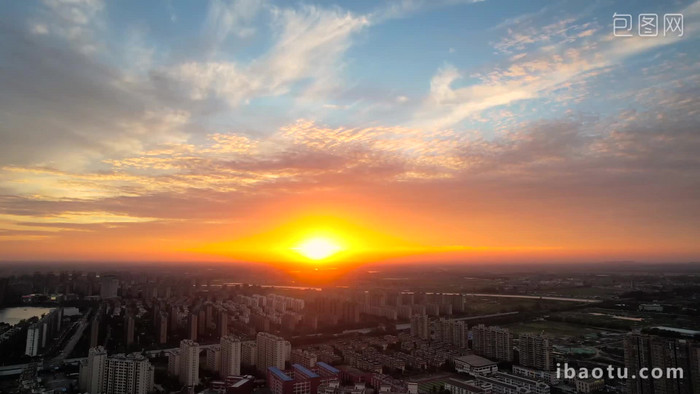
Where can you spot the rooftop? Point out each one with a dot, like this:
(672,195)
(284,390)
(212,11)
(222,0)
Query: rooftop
(328,367)
(281,375)
(475,361)
(464,384)
(308,373)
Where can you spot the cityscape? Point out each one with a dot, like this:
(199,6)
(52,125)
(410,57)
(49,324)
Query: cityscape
(349,197)
(394,330)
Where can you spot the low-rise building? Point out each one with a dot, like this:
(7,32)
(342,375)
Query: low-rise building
(455,386)
(549,377)
(589,385)
(475,364)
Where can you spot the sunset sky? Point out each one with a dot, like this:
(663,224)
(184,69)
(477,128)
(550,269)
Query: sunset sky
(419,131)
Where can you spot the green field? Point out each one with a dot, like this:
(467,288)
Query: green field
(426,387)
(490,305)
(551,328)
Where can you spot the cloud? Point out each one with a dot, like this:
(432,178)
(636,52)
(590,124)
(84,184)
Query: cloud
(558,56)
(74,20)
(226,18)
(308,49)
(91,146)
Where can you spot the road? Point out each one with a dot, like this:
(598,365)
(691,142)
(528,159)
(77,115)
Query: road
(70,345)
(533,297)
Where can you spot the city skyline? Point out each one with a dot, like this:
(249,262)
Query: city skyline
(342,133)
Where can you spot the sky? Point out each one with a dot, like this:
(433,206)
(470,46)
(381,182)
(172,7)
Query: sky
(394,131)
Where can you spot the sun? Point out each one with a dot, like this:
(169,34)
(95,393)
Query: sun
(317,248)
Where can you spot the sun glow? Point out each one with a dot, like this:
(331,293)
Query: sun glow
(317,248)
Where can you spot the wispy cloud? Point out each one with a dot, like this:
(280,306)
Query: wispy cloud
(309,46)
(558,55)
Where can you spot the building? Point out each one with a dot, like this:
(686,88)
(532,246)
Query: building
(235,385)
(475,364)
(213,359)
(492,342)
(453,332)
(32,346)
(249,353)
(129,323)
(336,388)
(102,374)
(299,380)
(419,326)
(535,351)
(173,362)
(648,351)
(549,377)
(304,357)
(109,287)
(456,386)
(40,333)
(222,325)
(651,308)
(589,385)
(131,373)
(272,351)
(192,326)
(95,328)
(327,372)
(230,356)
(188,372)
(533,386)
(162,327)
(386,384)
(278,382)
(93,370)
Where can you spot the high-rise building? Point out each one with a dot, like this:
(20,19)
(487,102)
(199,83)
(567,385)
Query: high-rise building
(453,332)
(102,374)
(93,370)
(273,351)
(131,373)
(350,312)
(174,322)
(648,351)
(419,326)
(129,323)
(173,362)
(95,327)
(192,326)
(40,333)
(189,362)
(492,342)
(249,353)
(202,321)
(208,314)
(33,340)
(95,331)
(222,325)
(214,359)
(535,351)
(109,287)
(162,327)
(460,334)
(230,356)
